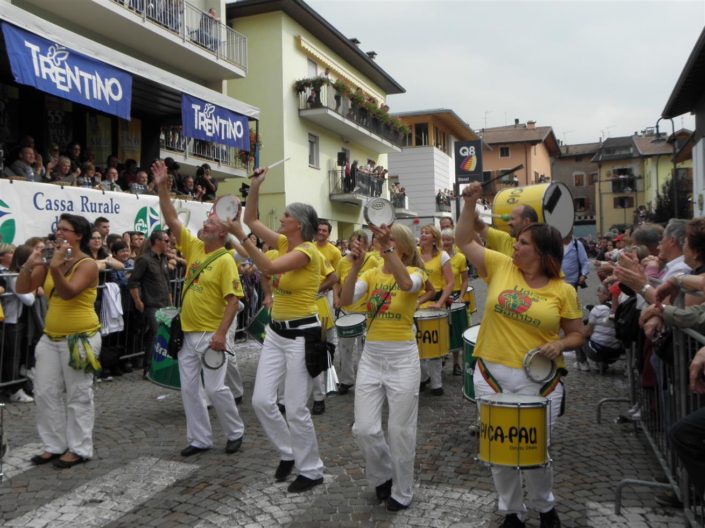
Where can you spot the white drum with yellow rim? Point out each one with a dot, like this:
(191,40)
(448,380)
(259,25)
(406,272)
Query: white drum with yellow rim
(514,430)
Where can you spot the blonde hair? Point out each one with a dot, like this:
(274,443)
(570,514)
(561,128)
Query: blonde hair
(406,246)
(6,248)
(437,243)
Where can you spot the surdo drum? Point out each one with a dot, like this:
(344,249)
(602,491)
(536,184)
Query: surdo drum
(458,320)
(469,342)
(431,333)
(514,430)
(351,325)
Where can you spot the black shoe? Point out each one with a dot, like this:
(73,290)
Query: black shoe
(302,483)
(394,506)
(512,521)
(233,446)
(319,407)
(437,392)
(422,385)
(238,400)
(283,470)
(117,372)
(193,450)
(66,464)
(127,368)
(384,491)
(343,388)
(457,371)
(39,460)
(550,519)
(668,499)
(282,409)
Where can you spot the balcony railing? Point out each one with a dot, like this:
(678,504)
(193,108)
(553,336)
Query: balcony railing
(400,201)
(327,97)
(442,207)
(362,183)
(194,25)
(170,138)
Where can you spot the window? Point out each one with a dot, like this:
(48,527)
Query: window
(420,134)
(592,180)
(624,202)
(580,204)
(503,152)
(486,176)
(623,183)
(313,151)
(579,179)
(312,68)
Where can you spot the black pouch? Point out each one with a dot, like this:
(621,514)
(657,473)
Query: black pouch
(176,337)
(316,352)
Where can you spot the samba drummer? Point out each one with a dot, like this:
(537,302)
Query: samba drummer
(389,366)
(459,268)
(437,264)
(498,240)
(529,283)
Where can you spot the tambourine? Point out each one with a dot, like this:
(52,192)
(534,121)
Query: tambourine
(214,359)
(226,208)
(537,367)
(379,211)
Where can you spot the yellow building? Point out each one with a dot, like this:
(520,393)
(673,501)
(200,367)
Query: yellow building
(322,103)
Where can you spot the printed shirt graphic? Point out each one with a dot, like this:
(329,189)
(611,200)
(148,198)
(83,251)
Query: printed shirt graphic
(459,264)
(519,318)
(395,317)
(343,270)
(204,305)
(295,291)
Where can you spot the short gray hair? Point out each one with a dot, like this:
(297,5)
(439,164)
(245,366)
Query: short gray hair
(448,233)
(648,235)
(675,229)
(307,217)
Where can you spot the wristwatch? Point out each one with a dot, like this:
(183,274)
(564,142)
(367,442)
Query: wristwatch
(388,250)
(646,287)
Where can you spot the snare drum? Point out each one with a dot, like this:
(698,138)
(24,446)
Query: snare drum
(514,430)
(431,333)
(351,325)
(163,369)
(258,325)
(538,368)
(324,312)
(469,342)
(458,320)
(469,298)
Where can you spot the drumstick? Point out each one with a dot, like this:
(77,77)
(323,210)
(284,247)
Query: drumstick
(271,166)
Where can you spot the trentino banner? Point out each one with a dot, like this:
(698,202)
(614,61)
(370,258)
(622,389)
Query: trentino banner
(468,161)
(208,122)
(60,71)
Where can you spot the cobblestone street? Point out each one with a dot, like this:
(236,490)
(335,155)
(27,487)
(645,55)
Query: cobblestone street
(137,477)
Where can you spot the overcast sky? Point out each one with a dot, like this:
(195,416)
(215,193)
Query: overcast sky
(587,68)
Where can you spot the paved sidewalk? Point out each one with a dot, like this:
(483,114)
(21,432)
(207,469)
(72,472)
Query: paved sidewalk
(137,477)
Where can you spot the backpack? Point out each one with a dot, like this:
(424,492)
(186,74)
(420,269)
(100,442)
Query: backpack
(626,321)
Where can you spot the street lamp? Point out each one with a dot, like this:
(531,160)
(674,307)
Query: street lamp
(674,182)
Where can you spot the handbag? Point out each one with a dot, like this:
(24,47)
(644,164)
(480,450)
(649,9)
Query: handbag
(176,333)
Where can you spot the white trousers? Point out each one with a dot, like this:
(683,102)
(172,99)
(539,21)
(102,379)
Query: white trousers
(233,379)
(319,382)
(508,481)
(282,361)
(432,368)
(198,424)
(388,370)
(64,397)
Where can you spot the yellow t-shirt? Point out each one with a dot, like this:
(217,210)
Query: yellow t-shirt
(519,318)
(331,253)
(326,266)
(458,264)
(395,317)
(500,241)
(434,269)
(375,254)
(343,270)
(203,307)
(71,316)
(295,291)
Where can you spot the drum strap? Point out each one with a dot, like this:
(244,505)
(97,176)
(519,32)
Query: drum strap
(489,378)
(550,385)
(189,281)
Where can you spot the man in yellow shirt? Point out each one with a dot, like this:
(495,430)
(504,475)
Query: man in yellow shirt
(208,308)
(327,249)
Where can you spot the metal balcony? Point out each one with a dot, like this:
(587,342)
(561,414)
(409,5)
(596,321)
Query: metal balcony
(401,206)
(355,190)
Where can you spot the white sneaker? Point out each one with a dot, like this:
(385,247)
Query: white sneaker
(584,366)
(21,397)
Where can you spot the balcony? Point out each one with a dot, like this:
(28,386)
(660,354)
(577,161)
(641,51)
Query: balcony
(225,161)
(354,190)
(400,201)
(171,32)
(334,112)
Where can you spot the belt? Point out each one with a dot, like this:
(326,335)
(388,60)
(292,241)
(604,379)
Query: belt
(294,323)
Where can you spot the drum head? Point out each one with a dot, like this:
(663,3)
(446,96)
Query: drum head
(379,211)
(470,335)
(430,314)
(537,367)
(513,399)
(213,359)
(226,207)
(454,307)
(350,320)
(558,208)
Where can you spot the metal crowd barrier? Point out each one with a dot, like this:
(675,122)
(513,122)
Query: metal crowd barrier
(663,405)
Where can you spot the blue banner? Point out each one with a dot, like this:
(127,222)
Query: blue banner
(60,71)
(208,122)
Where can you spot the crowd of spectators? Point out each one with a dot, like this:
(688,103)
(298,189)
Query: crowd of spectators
(444,198)
(76,167)
(368,179)
(398,195)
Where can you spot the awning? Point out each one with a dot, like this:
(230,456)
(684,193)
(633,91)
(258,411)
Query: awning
(90,48)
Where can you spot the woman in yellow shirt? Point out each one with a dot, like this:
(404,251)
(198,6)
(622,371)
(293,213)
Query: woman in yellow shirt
(389,366)
(440,274)
(67,353)
(459,268)
(294,326)
(528,305)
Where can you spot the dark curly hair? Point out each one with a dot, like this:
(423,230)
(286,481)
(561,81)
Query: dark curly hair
(695,235)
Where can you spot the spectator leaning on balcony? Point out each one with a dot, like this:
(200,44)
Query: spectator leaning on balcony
(205,180)
(23,166)
(62,172)
(109,183)
(140,185)
(87,176)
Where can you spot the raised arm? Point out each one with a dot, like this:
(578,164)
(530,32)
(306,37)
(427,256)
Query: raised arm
(465,231)
(255,224)
(161,181)
(391,258)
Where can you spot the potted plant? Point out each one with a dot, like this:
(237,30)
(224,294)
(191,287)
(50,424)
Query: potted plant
(341,90)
